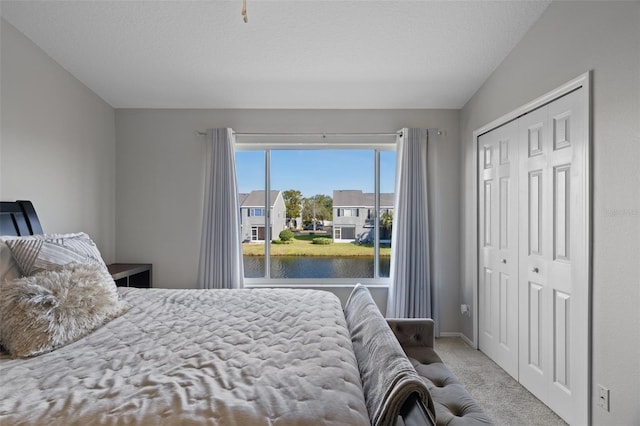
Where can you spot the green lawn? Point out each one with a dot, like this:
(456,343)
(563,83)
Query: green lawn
(302,246)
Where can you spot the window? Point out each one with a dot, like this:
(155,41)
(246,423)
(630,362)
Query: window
(348,212)
(333,241)
(344,233)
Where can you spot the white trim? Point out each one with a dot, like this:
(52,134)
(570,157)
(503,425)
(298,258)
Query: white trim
(316,282)
(297,140)
(435,254)
(588,247)
(584,81)
(580,81)
(300,141)
(269,142)
(474,239)
(586,274)
(467,341)
(380,141)
(253,146)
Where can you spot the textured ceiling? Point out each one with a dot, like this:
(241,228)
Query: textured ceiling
(291,54)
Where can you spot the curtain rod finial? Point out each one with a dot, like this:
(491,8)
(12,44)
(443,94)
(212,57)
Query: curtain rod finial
(245,18)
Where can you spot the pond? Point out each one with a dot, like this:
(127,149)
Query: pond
(315,267)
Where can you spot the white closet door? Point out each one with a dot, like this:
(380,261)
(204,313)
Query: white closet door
(498,281)
(533,276)
(534,136)
(553,293)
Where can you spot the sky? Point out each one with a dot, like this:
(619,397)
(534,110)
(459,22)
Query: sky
(316,171)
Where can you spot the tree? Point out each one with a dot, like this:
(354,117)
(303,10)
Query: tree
(386,222)
(386,219)
(317,208)
(293,203)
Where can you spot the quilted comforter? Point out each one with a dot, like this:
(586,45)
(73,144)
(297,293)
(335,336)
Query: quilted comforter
(181,357)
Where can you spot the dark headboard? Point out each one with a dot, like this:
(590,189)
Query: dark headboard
(18,218)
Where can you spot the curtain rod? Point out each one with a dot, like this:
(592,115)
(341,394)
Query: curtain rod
(317,134)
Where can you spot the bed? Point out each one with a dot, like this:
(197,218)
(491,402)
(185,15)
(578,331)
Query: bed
(200,357)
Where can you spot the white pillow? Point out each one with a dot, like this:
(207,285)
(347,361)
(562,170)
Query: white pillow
(9,269)
(50,309)
(37,253)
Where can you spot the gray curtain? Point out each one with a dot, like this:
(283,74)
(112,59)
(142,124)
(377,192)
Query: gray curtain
(411,294)
(221,250)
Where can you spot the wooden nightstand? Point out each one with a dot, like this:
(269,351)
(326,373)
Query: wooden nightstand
(131,274)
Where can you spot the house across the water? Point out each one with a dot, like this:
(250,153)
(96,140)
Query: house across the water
(252,215)
(354,215)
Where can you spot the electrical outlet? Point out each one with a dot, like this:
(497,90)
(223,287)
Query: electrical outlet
(465,310)
(603,397)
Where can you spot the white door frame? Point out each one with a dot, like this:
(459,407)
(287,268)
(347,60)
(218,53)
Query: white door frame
(584,81)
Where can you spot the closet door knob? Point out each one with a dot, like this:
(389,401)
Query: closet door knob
(504,261)
(535,269)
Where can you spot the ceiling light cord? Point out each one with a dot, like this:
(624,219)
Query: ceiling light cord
(244,11)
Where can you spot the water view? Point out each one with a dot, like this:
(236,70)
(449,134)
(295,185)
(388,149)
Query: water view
(315,267)
(323,224)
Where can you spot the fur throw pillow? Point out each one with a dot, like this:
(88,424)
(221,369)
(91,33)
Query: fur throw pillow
(50,309)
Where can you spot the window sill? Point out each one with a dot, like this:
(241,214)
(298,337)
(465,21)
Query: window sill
(315,283)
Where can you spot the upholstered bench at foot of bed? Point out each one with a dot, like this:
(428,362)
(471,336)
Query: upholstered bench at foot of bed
(454,406)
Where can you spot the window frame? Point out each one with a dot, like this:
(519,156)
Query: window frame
(355,142)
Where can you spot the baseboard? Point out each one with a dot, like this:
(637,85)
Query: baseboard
(450,334)
(458,334)
(467,341)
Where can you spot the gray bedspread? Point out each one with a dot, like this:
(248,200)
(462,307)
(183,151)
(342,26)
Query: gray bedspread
(187,357)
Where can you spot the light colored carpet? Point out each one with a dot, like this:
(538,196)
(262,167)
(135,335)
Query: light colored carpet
(501,397)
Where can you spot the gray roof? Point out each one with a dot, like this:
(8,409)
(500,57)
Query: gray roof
(356,198)
(256,198)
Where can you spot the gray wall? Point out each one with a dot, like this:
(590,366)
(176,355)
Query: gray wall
(57,143)
(569,39)
(160,181)
(60,139)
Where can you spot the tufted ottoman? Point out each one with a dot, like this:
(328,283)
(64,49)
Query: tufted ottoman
(454,406)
